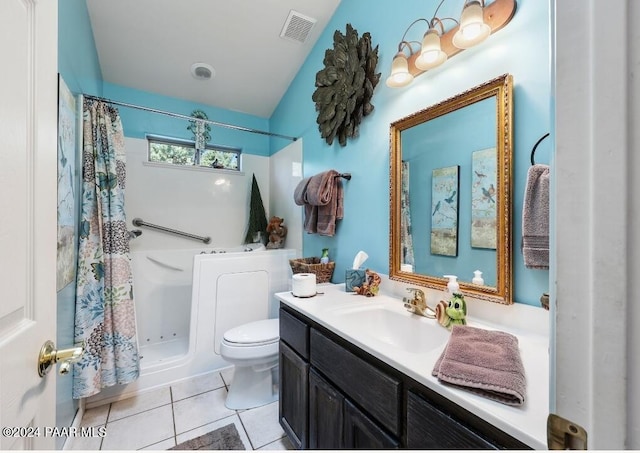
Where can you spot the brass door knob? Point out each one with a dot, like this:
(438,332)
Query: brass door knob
(49,356)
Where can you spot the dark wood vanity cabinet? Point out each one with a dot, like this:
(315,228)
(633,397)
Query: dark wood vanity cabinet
(430,428)
(294,379)
(326,414)
(361,432)
(334,395)
(294,375)
(335,423)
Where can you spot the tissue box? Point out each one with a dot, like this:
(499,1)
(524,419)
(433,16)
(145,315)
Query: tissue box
(353,277)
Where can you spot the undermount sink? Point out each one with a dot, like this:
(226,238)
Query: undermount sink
(396,327)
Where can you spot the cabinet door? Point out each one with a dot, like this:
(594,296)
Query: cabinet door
(360,432)
(430,428)
(326,414)
(377,392)
(294,402)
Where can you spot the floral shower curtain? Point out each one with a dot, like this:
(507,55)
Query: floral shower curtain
(105,314)
(405,210)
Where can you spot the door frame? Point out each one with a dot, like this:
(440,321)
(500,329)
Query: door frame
(28,142)
(592,220)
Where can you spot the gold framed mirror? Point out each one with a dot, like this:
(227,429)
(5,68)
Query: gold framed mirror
(451,193)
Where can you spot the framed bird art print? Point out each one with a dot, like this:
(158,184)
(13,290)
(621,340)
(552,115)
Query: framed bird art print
(483,199)
(445,186)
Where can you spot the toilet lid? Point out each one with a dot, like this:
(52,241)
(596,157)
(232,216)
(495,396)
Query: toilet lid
(257,332)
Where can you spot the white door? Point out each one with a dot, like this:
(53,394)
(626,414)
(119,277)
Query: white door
(28,153)
(595,370)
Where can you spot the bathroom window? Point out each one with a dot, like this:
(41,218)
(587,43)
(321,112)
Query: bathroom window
(175,151)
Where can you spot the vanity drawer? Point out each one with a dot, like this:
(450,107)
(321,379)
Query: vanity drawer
(295,333)
(374,390)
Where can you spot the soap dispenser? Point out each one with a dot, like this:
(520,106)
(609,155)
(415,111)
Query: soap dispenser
(477,278)
(452,286)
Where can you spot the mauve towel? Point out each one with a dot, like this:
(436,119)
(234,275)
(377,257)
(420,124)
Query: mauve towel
(322,198)
(486,362)
(535,218)
(310,212)
(299,192)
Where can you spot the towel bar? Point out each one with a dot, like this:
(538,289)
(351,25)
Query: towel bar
(533,151)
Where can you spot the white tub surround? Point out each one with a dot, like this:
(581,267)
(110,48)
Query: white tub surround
(416,353)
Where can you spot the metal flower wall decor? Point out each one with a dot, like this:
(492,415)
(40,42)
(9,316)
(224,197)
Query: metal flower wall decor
(345,85)
(200,129)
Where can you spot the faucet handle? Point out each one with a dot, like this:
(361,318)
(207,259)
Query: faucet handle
(418,304)
(417,293)
(414,290)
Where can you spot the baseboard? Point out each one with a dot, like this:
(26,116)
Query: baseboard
(77,420)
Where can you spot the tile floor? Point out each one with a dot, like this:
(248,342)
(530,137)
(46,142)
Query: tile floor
(165,417)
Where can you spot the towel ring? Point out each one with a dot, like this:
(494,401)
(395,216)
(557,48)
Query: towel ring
(533,151)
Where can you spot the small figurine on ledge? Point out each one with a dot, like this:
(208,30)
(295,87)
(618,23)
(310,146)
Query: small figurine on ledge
(371,284)
(277,233)
(453,312)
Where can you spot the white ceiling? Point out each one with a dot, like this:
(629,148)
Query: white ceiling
(150,45)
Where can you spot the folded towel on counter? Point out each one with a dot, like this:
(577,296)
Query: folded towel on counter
(485,362)
(535,218)
(322,198)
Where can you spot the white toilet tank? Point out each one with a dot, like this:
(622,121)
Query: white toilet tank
(241,297)
(241,287)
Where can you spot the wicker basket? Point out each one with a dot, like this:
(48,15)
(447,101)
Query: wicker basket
(313,266)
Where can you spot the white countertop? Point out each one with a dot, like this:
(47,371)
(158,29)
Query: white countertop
(526,423)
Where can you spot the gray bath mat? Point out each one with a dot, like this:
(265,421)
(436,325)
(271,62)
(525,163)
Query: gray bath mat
(225,438)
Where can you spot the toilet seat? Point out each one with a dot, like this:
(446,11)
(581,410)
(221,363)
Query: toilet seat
(253,334)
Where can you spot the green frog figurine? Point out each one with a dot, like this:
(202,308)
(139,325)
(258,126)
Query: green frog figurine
(454,312)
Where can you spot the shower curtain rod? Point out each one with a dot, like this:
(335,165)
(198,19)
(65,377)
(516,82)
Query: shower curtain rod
(187,117)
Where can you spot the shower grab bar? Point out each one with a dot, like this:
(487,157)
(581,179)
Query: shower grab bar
(168,266)
(141,223)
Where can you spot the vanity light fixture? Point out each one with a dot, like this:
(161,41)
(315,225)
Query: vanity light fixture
(477,22)
(472,29)
(400,75)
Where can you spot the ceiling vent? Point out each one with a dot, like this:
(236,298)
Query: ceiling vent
(297,27)
(202,71)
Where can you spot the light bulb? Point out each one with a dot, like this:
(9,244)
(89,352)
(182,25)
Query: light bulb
(471,31)
(400,75)
(430,56)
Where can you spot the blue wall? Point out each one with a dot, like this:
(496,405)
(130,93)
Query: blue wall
(79,66)
(77,56)
(522,49)
(137,123)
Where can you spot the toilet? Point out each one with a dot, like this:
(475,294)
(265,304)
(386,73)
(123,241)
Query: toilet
(253,349)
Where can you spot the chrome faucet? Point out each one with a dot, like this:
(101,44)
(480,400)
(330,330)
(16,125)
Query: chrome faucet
(418,303)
